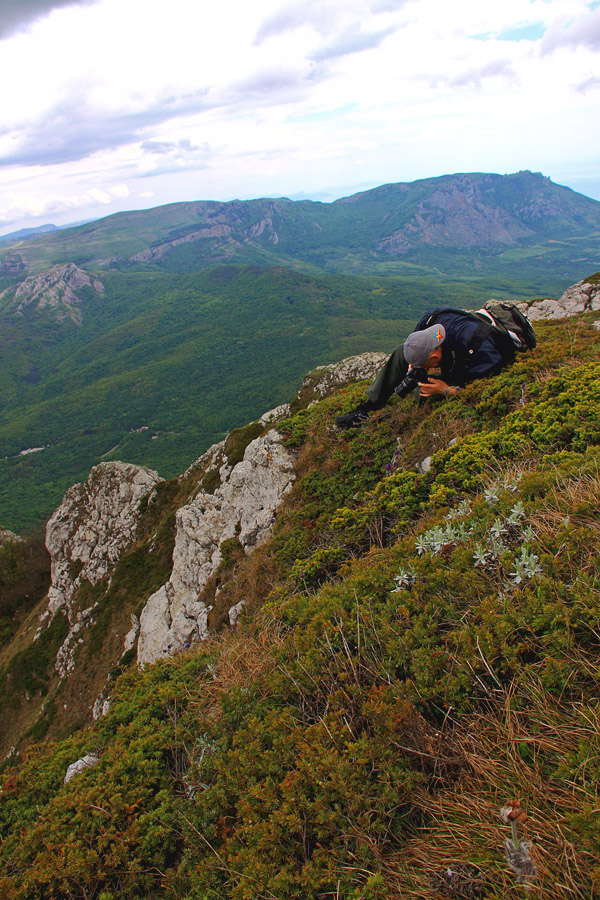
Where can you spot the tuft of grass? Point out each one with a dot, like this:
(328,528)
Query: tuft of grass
(238,440)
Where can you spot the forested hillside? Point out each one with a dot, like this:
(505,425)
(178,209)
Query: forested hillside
(418,650)
(164,366)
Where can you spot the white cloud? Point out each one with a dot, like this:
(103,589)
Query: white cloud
(288,97)
(58,206)
(581,31)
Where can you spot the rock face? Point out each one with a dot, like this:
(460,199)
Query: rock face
(96,522)
(56,289)
(12,264)
(477,211)
(581,297)
(456,212)
(86,762)
(6,535)
(226,226)
(154,253)
(324,380)
(243,506)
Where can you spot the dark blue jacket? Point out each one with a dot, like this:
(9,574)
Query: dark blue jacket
(457,367)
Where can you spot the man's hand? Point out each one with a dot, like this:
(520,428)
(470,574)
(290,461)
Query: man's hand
(433,386)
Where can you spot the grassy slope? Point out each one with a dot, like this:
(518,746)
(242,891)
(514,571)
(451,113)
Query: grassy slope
(422,648)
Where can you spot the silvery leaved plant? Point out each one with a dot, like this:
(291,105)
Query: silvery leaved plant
(405,580)
(511,484)
(498,529)
(516,514)
(459,512)
(526,566)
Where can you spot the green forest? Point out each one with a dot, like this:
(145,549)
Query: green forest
(185,357)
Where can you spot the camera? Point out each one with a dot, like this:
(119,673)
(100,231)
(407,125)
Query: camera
(411,380)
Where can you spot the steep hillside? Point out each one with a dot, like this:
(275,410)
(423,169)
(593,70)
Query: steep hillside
(404,646)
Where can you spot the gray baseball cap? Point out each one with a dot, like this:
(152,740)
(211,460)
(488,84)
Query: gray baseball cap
(419,345)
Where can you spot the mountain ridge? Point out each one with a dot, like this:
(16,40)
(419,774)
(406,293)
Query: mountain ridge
(478,211)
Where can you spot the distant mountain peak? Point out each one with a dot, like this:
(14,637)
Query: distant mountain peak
(24,233)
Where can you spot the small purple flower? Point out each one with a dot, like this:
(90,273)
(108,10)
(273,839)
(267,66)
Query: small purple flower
(388,468)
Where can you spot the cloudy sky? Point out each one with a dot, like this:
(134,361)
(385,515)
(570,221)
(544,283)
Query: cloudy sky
(123,104)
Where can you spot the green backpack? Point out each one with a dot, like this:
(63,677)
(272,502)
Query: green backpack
(508,320)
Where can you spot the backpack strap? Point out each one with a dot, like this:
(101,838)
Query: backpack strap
(483,330)
(503,341)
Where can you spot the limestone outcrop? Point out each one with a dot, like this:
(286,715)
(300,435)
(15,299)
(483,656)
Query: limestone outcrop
(243,506)
(154,253)
(324,380)
(86,762)
(57,289)
(89,532)
(6,535)
(579,298)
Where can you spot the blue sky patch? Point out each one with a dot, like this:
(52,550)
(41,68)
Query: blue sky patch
(531,32)
(523,33)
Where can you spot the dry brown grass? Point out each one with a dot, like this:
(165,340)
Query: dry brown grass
(508,754)
(242,659)
(577,497)
(425,438)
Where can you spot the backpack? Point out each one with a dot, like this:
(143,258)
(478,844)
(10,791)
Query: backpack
(511,328)
(507,317)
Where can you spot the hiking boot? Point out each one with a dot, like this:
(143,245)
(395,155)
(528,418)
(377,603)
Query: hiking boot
(356,416)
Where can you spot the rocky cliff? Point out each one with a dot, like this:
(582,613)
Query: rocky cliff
(87,535)
(58,290)
(242,507)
